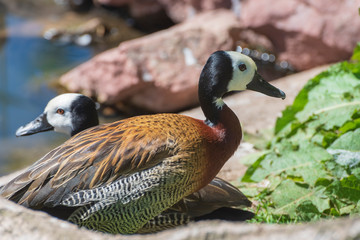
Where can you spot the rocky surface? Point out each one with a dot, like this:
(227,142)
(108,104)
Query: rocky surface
(20,223)
(306,33)
(99,29)
(178,11)
(158,72)
(113,2)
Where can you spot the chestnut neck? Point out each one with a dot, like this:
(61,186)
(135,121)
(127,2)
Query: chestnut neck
(229,128)
(226,134)
(219,117)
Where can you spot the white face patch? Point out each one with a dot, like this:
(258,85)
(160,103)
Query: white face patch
(61,122)
(241,78)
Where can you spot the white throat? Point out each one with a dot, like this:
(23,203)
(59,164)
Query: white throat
(219,103)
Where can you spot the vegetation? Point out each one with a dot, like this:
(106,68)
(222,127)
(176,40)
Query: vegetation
(311,167)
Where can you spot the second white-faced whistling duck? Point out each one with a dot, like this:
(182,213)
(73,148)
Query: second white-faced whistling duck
(68,113)
(120,175)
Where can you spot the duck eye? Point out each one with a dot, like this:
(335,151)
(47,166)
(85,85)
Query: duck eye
(60,111)
(242,67)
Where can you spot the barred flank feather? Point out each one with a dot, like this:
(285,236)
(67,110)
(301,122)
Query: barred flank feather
(165,221)
(126,201)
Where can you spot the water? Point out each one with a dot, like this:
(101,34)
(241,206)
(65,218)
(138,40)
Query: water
(28,63)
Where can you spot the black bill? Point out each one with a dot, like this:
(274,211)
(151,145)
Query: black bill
(260,85)
(40,124)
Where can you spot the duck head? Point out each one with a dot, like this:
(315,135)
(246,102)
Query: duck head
(227,71)
(68,113)
(245,76)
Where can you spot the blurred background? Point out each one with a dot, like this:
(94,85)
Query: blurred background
(145,56)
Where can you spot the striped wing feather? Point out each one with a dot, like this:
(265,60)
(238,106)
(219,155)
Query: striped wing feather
(218,193)
(92,158)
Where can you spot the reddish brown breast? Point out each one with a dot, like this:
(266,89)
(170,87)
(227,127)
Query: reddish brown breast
(221,141)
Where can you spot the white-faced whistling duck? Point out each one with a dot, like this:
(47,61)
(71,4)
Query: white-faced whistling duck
(119,176)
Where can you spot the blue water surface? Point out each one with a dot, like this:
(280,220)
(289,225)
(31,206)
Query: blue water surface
(27,65)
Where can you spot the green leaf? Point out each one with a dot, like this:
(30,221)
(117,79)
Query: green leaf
(312,166)
(334,116)
(326,98)
(334,212)
(347,189)
(250,190)
(356,54)
(304,162)
(289,195)
(327,101)
(251,158)
(323,182)
(328,138)
(349,126)
(307,211)
(345,158)
(288,115)
(250,171)
(347,209)
(349,141)
(336,170)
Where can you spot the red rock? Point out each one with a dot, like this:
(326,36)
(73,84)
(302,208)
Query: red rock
(177,10)
(158,72)
(115,3)
(306,33)
(180,11)
(137,8)
(145,8)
